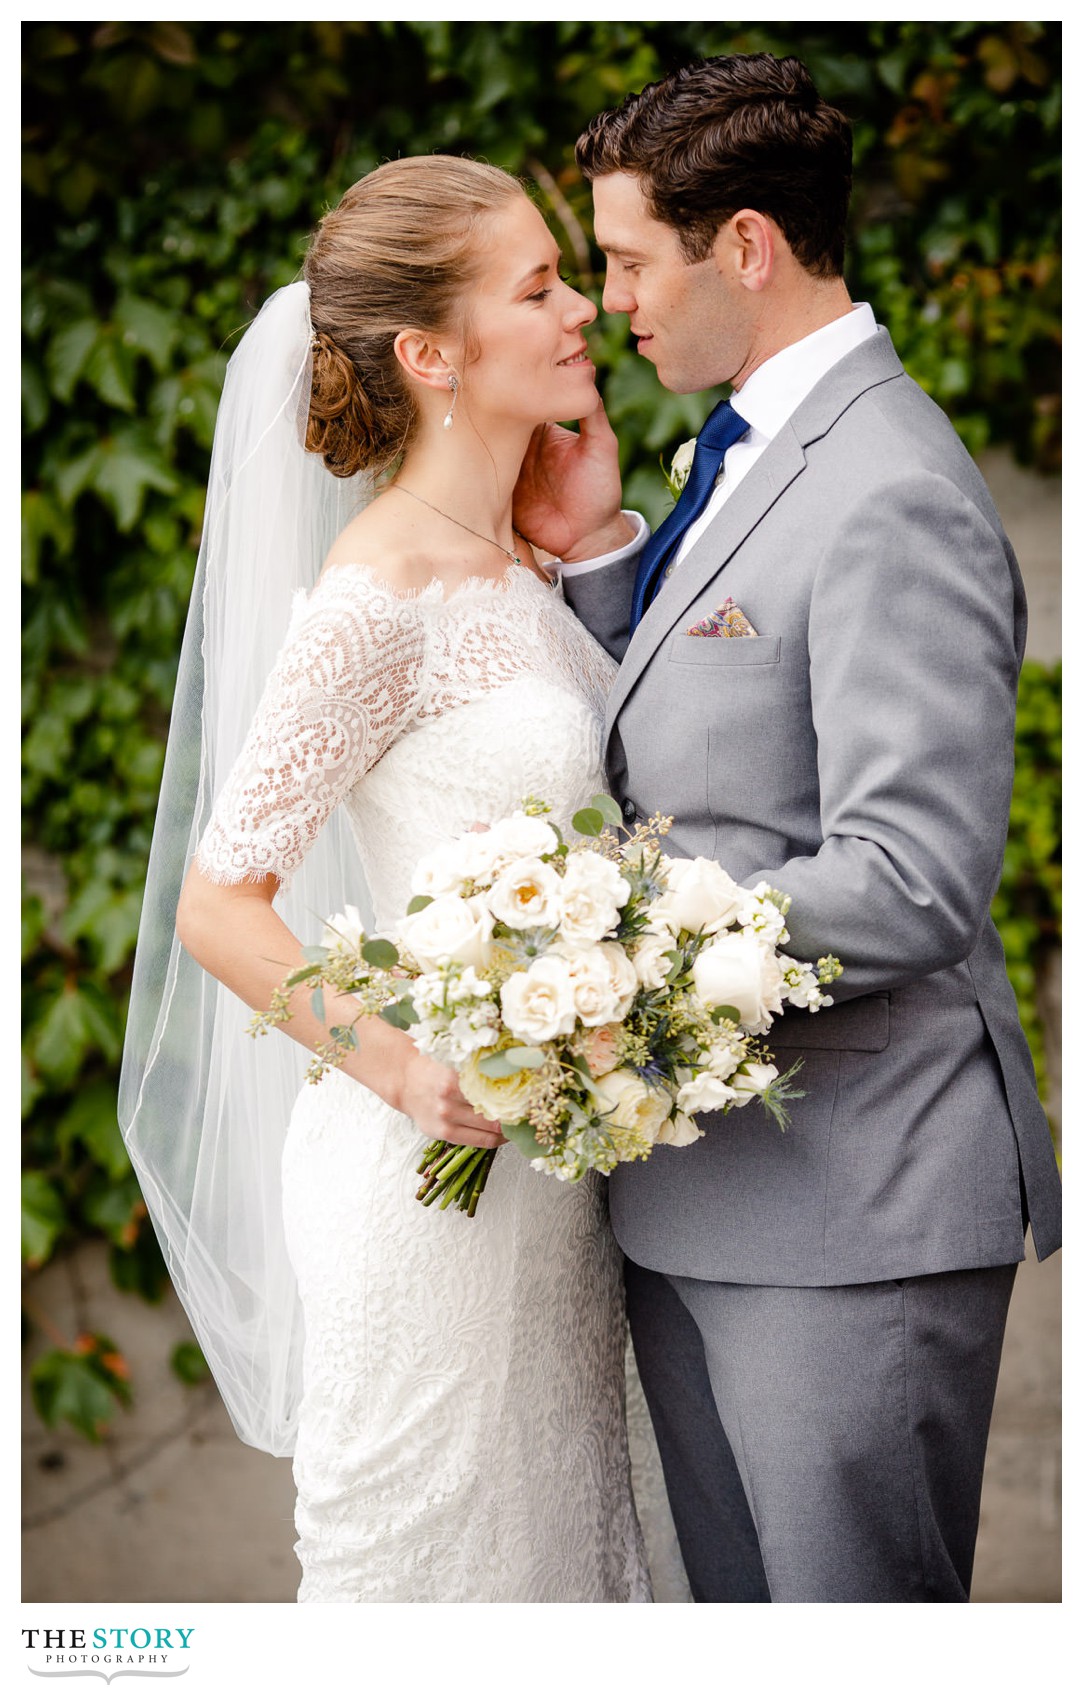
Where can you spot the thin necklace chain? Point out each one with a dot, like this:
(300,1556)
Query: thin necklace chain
(515,560)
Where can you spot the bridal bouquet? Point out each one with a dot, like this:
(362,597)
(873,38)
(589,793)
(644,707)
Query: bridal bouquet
(594,997)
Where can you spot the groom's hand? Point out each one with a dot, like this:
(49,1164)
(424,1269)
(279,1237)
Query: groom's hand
(567,499)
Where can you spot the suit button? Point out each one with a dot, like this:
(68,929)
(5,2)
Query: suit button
(628,809)
(667,572)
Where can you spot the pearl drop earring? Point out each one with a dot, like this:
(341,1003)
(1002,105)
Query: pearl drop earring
(453,386)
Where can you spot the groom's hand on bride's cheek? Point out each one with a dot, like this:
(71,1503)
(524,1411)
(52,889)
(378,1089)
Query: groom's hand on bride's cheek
(567,500)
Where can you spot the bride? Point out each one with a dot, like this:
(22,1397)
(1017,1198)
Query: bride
(452,1389)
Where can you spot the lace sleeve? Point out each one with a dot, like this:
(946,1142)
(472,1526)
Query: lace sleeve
(345,683)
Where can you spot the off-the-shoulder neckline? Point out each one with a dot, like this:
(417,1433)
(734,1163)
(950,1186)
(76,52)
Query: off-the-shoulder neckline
(435,590)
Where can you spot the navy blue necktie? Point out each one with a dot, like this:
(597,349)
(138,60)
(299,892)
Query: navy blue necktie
(722,428)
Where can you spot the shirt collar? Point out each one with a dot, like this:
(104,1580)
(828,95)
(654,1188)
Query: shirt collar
(778,387)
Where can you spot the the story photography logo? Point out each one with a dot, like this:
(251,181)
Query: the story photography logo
(107,1650)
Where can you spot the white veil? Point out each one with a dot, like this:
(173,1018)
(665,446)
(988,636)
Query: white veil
(203,1105)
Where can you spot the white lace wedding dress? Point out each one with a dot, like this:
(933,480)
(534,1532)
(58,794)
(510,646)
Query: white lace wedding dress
(462,1433)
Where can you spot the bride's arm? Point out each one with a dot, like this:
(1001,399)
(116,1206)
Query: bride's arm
(235,934)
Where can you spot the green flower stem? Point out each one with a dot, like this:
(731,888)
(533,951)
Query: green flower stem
(480,1178)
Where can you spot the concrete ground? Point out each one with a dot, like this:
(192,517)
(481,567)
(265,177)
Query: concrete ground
(173,1507)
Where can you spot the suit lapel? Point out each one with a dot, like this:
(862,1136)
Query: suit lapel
(871,363)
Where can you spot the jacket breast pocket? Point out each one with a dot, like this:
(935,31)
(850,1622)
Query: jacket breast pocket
(687,651)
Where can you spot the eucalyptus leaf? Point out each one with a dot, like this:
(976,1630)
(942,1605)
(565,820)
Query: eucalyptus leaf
(588,822)
(523,1137)
(726,1012)
(379,953)
(416,904)
(608,808)
(401,1014)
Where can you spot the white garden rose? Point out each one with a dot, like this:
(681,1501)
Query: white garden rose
(345,931)
(511,840)
(538,1003)
(527,894)
(592,894)
(750,1080)
(504,1100)
(596,998)
(651,960)
(622,975)
(681,465)
(630,1103)
(737,970)
(678,1130)
(704,1093)
(445,870)
(699,896)
(449,929)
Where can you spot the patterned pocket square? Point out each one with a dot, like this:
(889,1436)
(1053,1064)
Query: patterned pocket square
(727,621)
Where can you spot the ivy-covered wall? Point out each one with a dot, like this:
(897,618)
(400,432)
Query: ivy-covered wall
(172,172)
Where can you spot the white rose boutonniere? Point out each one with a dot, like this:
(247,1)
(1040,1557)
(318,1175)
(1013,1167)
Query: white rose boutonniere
(679,468)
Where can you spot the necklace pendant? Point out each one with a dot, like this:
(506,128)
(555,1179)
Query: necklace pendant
(516,560)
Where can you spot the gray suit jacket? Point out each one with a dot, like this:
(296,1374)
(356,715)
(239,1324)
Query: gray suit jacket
(858,754)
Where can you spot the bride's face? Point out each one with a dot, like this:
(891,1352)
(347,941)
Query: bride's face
(528,357)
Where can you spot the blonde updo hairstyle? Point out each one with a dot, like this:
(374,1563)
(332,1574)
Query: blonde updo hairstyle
(400,250)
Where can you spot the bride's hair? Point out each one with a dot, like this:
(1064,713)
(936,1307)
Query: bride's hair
(399,250)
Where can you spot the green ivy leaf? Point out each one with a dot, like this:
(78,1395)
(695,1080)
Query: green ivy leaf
(43,1218)
(188,1364)
(70,1387)
(148,328)
(67,354)
(91,1118)
(127,468)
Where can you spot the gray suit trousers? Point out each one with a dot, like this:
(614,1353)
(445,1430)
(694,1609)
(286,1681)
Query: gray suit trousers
(823,1443)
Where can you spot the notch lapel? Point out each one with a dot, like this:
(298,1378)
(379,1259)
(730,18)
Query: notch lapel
(873,362)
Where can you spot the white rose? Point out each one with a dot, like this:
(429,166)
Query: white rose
(703,1093)
(622,975)
(750,1080)
(592,894)
(594,994)
(511,840)
(651,960)
(737,970)
(449,929)
(678,1130)
(527,894)
(504,1100)
(629,1103)
(538,1003)
(699,896)
(444,870)
(344,932)
(681,464)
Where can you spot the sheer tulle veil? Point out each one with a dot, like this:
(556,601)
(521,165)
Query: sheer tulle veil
(203,1105)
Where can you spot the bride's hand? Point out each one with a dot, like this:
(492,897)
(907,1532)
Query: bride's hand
(567,499)
(429,1094)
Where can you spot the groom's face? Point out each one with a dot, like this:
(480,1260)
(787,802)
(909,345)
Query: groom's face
(692,322)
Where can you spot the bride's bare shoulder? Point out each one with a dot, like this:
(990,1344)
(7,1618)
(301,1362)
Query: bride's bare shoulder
(383,541)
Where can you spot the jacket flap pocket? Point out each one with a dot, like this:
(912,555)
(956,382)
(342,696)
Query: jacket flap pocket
(861,1025)
(724,652)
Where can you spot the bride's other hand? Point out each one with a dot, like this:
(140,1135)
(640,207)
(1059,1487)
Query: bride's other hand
(429,1094)
(567,499)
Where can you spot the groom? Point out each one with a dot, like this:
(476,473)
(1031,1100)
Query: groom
(817,1313)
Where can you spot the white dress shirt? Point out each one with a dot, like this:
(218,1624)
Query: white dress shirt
(767,399)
